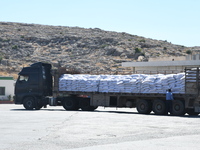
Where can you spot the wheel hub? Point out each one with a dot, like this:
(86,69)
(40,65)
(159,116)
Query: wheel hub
(29,103)
(159,107)
(142,106)
(177,107)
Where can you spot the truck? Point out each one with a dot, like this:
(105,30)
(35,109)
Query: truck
(38,86)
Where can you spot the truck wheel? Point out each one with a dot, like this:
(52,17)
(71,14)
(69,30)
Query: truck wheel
(85,104)
(191,112)
(29,103)
(94,107)
(91,108)
(143,106)
(159,107)
(38,106)
(70,103)
(178,108)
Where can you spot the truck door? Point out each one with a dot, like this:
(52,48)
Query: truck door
(22,84)
(21,87)
(27,84)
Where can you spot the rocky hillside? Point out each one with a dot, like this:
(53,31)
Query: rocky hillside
(82,49)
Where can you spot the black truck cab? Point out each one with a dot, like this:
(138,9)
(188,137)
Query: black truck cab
(33,85)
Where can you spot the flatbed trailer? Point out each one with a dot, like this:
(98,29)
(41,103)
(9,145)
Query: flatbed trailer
(41,88)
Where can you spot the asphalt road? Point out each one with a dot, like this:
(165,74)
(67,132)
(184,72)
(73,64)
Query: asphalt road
(53,128)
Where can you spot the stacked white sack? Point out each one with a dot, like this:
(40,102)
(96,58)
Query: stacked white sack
(86,83)
(120,83)
(137,83)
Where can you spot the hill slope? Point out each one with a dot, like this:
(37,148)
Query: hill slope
(73,47)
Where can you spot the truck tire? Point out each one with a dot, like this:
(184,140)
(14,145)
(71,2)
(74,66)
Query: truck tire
(85,105)
(29,103)
(191,112)
(38,106)
(94,107)
(70,103)
(159,107)
(143,106)
(178,108)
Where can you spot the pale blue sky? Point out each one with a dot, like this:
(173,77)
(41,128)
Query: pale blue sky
(177,21)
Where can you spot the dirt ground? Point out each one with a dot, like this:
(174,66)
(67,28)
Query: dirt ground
(53,128)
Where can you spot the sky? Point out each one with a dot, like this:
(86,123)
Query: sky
(176,21)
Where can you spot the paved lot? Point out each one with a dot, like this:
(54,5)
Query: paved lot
(53,128)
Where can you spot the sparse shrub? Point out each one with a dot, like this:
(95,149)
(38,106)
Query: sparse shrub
(188,52)
(1,58)
(103,46)
(138,50)
(164,48)
(142,40)
(6,40)
(9,97)
(14,47)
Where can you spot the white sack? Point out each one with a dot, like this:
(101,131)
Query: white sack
(137,83)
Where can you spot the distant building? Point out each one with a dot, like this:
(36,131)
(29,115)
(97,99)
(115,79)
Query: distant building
(164,65)
(6,88)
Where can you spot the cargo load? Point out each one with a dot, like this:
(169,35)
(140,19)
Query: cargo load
(136,83)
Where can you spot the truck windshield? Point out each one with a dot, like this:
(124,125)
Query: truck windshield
(23,78)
